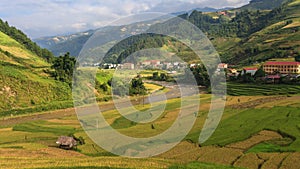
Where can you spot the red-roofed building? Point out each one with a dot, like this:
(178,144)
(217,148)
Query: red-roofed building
(151,62)
(273,78)
(222,66)
(251,70)
(282,67)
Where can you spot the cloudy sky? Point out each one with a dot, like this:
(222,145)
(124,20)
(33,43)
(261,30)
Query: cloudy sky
(39,18)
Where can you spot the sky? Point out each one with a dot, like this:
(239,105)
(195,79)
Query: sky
(40,18)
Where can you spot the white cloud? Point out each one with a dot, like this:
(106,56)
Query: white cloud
(51,17)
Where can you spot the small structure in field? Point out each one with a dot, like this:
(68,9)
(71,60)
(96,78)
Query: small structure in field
(66,142)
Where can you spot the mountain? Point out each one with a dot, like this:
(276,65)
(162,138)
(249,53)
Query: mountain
(25,82)
(73,43)
(60,45)
(261,30)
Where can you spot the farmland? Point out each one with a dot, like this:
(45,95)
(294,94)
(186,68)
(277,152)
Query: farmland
(260,135)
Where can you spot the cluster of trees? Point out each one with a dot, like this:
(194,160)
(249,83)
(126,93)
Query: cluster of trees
(121,88)
(198,73)
(20,37)
(161,77)
(201,75)
(297,58)
(132,44)
(64,67)
(248,78)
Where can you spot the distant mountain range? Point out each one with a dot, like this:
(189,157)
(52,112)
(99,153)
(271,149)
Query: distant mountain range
(240,37)
(73,43)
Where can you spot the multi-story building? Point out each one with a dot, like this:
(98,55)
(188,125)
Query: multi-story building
(282,67)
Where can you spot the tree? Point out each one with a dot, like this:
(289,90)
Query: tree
(155,76)
(137,87)
(163,77)
(260,73)
(64,67)
(297,58)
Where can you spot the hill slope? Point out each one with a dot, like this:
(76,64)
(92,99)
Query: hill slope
(24,81)
(278,39)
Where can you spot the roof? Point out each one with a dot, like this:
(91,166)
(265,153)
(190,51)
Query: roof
(64,140)
(282,63)
(251,68)
(273,77)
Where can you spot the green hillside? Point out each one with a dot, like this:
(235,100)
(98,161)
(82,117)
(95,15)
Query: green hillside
(25,84)
(278,39)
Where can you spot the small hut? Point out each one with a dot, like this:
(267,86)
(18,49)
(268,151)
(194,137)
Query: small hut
(66,142)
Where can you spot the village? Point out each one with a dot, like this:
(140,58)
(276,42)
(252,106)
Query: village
(269,72)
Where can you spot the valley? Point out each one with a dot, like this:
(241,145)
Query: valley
(43,87)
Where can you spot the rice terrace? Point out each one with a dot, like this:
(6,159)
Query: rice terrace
(245,55)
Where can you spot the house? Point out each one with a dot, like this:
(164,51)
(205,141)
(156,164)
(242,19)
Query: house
(151,62)
(251,70)
(282,67)
(222,66)
(66,142)
(128,66)
(233,71)
(273,78)
(223,13)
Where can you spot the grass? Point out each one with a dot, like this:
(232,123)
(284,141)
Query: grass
(25,87)
(265,147)
(197,165)
(236,125)
(238,89)
(39,108)
(47,127)
(284,120)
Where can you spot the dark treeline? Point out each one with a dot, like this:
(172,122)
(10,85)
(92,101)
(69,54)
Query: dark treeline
(132,44)
(20,37)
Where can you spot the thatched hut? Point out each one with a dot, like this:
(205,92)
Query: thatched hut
(66,142)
